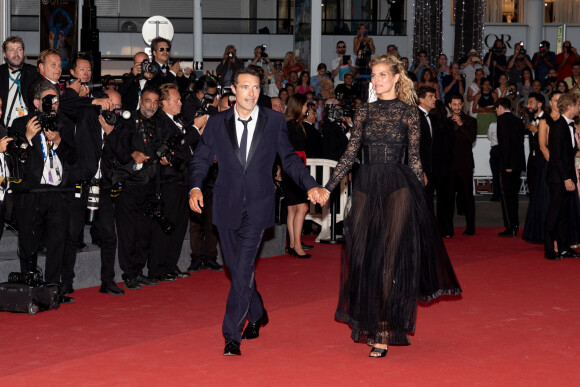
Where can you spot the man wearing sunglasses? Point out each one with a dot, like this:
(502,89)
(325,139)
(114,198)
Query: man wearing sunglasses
(340,64)
(170,69)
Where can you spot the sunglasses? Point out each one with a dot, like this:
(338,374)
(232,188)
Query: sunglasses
(161,49)
(340,46)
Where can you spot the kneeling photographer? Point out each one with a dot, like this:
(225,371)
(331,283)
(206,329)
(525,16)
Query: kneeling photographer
(39,200)
(99,144)
(179,139)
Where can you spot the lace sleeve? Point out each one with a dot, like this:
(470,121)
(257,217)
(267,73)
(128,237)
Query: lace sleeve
(412,122)
(347,159)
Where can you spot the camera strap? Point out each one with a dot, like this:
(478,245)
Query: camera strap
(17,93)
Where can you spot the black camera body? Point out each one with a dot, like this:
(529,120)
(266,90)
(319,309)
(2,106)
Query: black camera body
(206,105)
(497,50)
(18,147)
(149,67)
(230,55)
(154,210)
(112,117)
(47,121)
(167,150)
(90,85)
(263,53)
(32,278)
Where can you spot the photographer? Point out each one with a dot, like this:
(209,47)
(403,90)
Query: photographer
(98,145)
(420,64)
(229,65)
(203,100)
(471,65)
(133,83)
(573,81)
(5,195)
(565,60)
(172,184)
(335,133)
(496,61)
(39,200)
(261,60)
(543,61)
(170,70)
(518,62)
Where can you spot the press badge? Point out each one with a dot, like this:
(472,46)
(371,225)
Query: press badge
(21,112)
(78,191)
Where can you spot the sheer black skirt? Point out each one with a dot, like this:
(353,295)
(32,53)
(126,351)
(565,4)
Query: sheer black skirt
(393,255)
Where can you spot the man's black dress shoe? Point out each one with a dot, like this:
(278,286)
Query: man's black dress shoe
(509,233)
(552,256)
(569,254)
(164,277)
(65,299)
(306,247)
(132,284)
(179,274)
(66,288)
(145,281)
(232,348)
(468,232)
(211,264)
(195,265)
(111,288)
(252,331)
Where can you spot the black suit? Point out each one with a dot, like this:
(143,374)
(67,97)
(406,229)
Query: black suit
(426,152)
(174,189)
(560,168)
(535,153)
(510,136)
(244,200)
(27,76)
(43,215)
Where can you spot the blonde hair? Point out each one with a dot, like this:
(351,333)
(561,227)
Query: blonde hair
(404,88)
(287,58)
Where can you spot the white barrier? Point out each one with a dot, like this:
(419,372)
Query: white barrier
(321,170)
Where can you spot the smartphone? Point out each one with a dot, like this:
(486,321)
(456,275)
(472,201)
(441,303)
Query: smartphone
(365,34)
(345,59)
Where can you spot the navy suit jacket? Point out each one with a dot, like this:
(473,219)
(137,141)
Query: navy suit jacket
(255,183)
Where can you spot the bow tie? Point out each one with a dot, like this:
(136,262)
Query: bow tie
(571,124)
(178,118)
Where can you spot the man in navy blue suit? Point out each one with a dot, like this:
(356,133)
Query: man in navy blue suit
(245,141)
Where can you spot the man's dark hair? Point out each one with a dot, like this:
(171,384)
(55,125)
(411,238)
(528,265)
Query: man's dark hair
(158,40)
(251,70)
(310,93)
(339,42)
(423,90)
(76,59)
(555,92)
(321,66)
(204,83)
(504,103)
(456,96)
(545,43)
(538,97)
(42,87)
(12,39)
(391,45)
(421,52)
(577,63)
(150,89)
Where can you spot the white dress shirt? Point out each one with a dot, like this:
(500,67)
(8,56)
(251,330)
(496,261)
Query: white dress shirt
(52,172)
(568,121)
(426,113)
(251,127)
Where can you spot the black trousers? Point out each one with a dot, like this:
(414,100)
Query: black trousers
(104,224)
(203,235)
(532,171)
(240,248)
(510,186)
(558,217)
(460,183)
(133,228)
(165,249)
(41,217)
(494,156)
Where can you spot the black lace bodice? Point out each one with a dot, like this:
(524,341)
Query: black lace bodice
(384,122)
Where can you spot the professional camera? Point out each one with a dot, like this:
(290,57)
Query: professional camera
(18,148)
(522,49)
(47,117)
(148,67)
(230,55)
(92,202)
(154,210)
(347,104)
(263,53)
(167,150)
(31,278)
(497,50)
(206,105)
(112,117)
(90,85)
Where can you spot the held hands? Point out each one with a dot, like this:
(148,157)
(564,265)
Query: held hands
(196,200)
(318,195)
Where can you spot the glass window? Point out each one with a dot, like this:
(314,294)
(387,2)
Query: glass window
(562,11)
(498,11)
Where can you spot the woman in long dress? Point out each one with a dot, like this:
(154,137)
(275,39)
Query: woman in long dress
(394,255)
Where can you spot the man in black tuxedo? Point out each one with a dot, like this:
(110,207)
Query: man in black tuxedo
(561,176)
(15,79)
(427,100)
(170,69)
(536,103)
(173,184)
(99,145)
(464,132)
(512,161)
(245,141)
(132,85)
(39,206)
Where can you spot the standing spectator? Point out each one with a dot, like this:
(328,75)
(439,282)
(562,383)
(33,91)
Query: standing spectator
(292,63)
(543,61)
(364,47)
(420,64)
(429,80)
(393,50)
(562,87)
(484,100)
(313,137)
(340,66)
(471,65)
(229,65)
(293,80)
(473,89)
(304,83)
(565,60)
(535,107)
(518,62)
(525,84)
(261,60)
(496,61)
(502,88)
(550,82)
(441,72)
(512,161)
(453,83)
(277,85)
(316,81)
(573,81)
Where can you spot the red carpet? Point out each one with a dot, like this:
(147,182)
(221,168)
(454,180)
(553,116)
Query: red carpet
(518,323)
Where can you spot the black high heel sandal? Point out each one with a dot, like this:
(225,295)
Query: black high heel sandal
(291,252)
(381,351)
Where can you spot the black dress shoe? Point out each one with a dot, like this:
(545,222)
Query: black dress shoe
(132,284)
(569,254)
(552,256)
(164,277)
(508,233)
(66,288)
(468,232)
(195,265)
(252,331)
(179,274)
(145,281)
(65,299)
(232,348)
(211,264)
(111,288)
(306,247)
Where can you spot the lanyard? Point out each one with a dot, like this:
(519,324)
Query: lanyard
(49,146)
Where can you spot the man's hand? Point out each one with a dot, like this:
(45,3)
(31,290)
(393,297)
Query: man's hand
(318,195)
(164,161)
(106,127)
(457,119)
(200,122)
(139,157)
(569,184)
(532,128)
(104,103)
(76,86)
(52,136)
(509,170)
(32,128)
(196,200)
(175,67)
(136,70)
(4,143)
(425,178)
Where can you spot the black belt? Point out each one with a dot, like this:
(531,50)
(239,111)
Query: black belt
(384,154)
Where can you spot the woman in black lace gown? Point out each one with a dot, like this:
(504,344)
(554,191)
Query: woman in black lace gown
(394,255)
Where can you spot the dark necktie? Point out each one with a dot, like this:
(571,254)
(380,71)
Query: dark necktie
(244,141)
